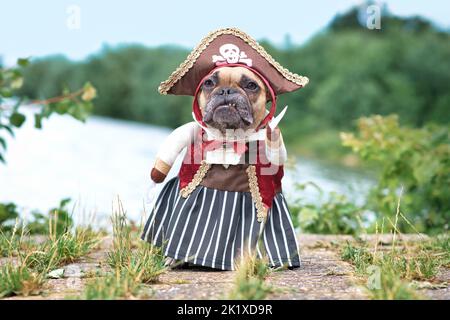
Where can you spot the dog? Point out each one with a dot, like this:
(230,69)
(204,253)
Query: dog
(227,195)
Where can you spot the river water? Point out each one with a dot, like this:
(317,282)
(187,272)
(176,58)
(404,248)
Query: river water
(95,162)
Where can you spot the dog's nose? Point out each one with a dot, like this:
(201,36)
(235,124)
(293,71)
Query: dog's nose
(227,91)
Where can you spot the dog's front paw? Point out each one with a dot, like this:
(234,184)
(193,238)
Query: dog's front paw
(169,262)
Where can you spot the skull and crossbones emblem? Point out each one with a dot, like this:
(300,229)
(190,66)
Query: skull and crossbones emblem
(230,53)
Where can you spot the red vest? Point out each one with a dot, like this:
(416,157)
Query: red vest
(268,175)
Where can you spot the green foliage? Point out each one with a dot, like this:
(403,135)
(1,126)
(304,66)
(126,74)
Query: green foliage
(61,217)
(417,160)
(62,249)
(144,263)
(127,77)
(132,264)
(12,244)
(29,262)
(393,270)
(8,215)
(389,284)
(111,287)
(249,280)
(360,257)
(392,287)
(18,280)
(77,104)
(8,243)
(30,259)
(440,248)
(333,214)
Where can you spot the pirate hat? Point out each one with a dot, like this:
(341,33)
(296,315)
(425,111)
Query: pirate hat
(229,47)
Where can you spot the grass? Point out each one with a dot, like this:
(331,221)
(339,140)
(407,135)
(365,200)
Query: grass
(143,262)
(391,272)
(19,280)
(111,287)
(249,281)
(29,261)
(9,244)
(392,287)
(360,257)
(133,263)
(63,249)
(385,272)
(440,248)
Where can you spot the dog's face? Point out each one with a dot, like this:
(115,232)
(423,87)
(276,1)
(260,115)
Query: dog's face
(233,98)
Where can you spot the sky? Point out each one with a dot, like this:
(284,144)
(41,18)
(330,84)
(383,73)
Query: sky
(77,28)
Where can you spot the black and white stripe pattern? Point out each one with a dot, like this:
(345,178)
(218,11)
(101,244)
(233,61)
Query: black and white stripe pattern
(213,228)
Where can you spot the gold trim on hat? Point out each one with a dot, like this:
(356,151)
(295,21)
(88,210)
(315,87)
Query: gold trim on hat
(187,64)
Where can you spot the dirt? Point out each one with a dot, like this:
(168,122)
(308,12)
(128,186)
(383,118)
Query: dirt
(323,275)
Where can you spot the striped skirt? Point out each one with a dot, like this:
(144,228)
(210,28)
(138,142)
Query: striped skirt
(213,228)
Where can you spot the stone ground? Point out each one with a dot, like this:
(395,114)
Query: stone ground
(323,276)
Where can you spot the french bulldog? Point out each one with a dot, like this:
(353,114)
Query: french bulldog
(232,98)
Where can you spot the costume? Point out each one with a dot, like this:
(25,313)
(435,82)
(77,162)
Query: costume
(227,197)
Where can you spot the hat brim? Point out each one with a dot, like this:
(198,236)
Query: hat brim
(185,79)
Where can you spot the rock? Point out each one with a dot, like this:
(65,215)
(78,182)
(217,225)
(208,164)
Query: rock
(73,271)
(56,274)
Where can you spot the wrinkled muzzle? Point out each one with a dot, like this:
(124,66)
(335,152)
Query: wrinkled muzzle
(229,110)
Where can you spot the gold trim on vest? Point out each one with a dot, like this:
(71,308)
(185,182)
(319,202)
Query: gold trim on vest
(261,210)
(198,177)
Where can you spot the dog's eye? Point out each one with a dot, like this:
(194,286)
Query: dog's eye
(208,83)
(251,85)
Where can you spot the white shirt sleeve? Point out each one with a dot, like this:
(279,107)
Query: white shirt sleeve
(180,138)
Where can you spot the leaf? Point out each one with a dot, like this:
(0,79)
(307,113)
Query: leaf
(80,111)
(17,83)
(89,92)
(38,121)
(3,143)
(17,119)
(23,62)
(7,128)
(64,202)
(6,92)
(62,107)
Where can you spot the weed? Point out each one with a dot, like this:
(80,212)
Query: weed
(360,257)
(8,244)
(333,214)
(113,286)
(439,247)
(392,287)
(143,262)
(18,280)
(146,264)
(249,280)
(62,249)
